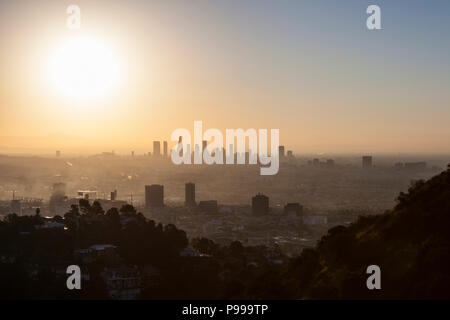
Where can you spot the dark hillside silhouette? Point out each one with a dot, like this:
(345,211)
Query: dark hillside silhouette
(410,243)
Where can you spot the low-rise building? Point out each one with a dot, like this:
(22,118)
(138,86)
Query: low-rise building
(208,207)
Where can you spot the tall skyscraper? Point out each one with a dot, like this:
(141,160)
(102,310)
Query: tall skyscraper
(190,195)
(281,151)
(367,162)
(156,148)
(260,205)
(154,196)
(204,146)
(165,149)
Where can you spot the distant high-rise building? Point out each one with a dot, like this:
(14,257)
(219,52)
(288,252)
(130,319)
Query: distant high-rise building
(58,153)
(204,146)
(154,196)
(260,205)
(190,194)
(281,151)
(208,207)
(165,149)
(290,154)
(132,153)
(293,209)
(367,162)
(114,195)
(156,148)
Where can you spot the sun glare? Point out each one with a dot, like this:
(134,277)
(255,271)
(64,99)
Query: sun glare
(83,68)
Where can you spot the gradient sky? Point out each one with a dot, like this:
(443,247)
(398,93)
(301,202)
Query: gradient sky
(309,68)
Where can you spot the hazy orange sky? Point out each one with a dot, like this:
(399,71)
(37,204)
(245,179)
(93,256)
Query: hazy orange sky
(309,68)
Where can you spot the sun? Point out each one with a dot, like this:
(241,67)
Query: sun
(84,68)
